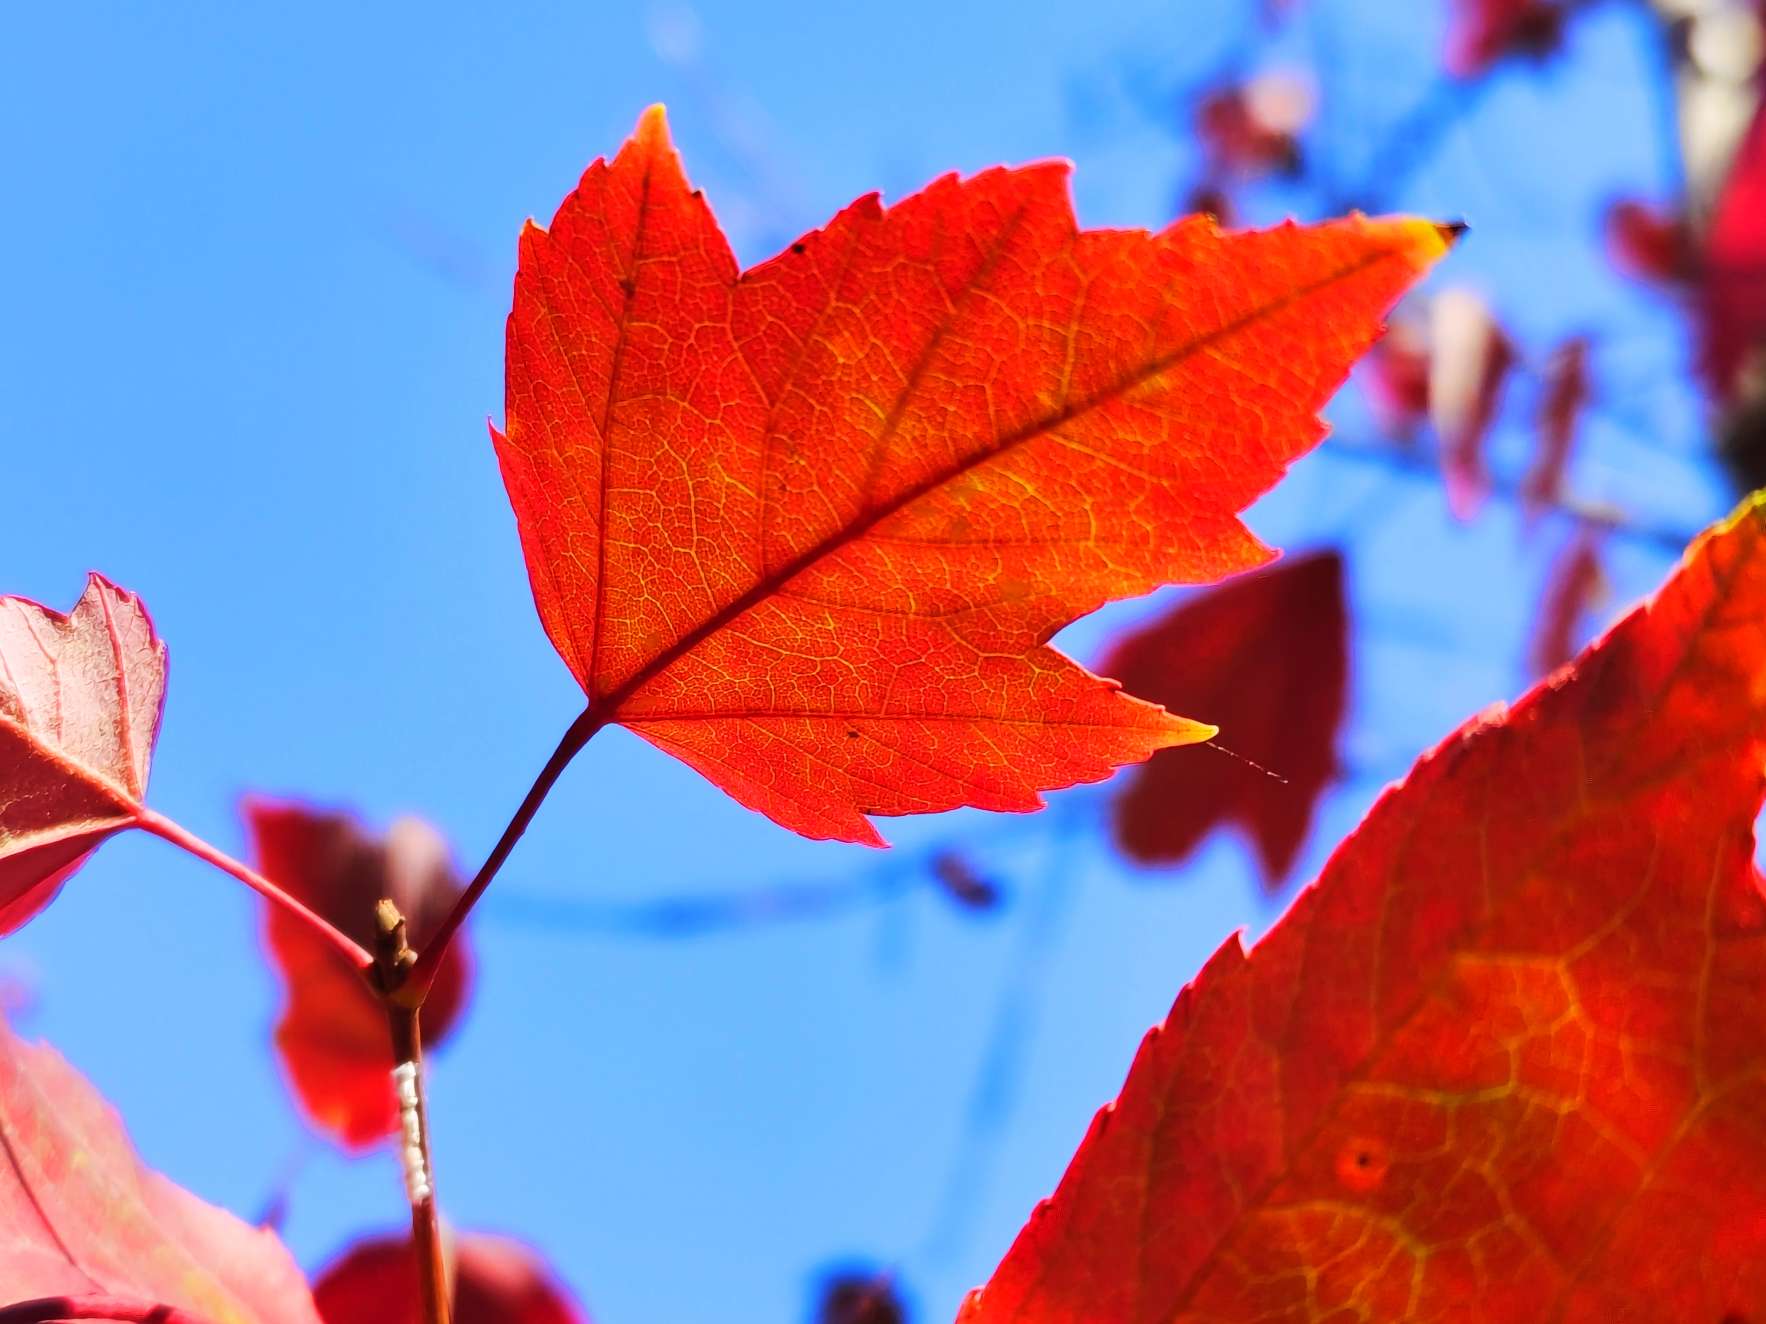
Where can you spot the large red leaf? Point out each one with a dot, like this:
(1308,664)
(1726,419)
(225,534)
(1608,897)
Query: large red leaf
(1264,658)
(80,699)
(807,526)
(81,1217)
(495,1282)
(333,1035)
(1505,1061)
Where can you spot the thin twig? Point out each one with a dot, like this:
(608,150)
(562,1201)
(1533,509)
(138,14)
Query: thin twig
(393,959)
(167,830)
(1409,141)
(1422,465)
(581,731)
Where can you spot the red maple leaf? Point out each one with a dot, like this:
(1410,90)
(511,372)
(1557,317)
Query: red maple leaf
(332,1035)
(1506,1060)
(496,1281)
(1265,658)
(80,700)
(84,1221)
(808,526)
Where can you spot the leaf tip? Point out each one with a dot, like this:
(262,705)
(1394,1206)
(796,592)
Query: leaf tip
(653,126)
(1187,731)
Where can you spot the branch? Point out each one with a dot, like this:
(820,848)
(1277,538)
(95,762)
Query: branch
(393,959)
(1423,466)
(164,828)
(422,975)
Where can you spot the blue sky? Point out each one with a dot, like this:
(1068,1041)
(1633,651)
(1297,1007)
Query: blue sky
(259,264)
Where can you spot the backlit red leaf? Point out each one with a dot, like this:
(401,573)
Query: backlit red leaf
(80,699)
(1265,658)
(1505,1061)
(807,526)
(332,1035)
(81,1217)
(1733,290)
(495,1282)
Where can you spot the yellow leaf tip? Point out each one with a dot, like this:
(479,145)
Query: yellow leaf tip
(653,126)
(1185,731)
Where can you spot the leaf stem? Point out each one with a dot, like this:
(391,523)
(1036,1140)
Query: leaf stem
(581,731)
(160,826)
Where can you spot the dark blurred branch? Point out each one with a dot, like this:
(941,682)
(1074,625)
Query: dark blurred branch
(1423,466)
(999,1074)
(1408,144)
(695,914)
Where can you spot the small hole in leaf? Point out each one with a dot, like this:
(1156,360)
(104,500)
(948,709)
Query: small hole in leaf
(1362,1163)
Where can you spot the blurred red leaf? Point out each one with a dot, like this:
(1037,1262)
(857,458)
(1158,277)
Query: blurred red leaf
(1253,127)
(1561,403)
(1482,32)
(1469,363)
(1733,296)
(1395,374)
(495,1282)
(807,527)
(859,1297)
(332,1035)
(1264,657)
(1572,588)
(80,1216)
(1648,243)
(80,699)
(1506,1060)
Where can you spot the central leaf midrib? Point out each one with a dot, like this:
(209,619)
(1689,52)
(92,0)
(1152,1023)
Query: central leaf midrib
(126,800)
(608,705)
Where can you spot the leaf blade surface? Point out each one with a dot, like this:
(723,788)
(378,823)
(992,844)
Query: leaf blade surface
(807,527)
(80,1214)
(1504,1061)
(80,702)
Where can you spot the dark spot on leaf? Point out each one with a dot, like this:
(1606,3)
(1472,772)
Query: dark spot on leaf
(629,285)
(851,734)
(798,247)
